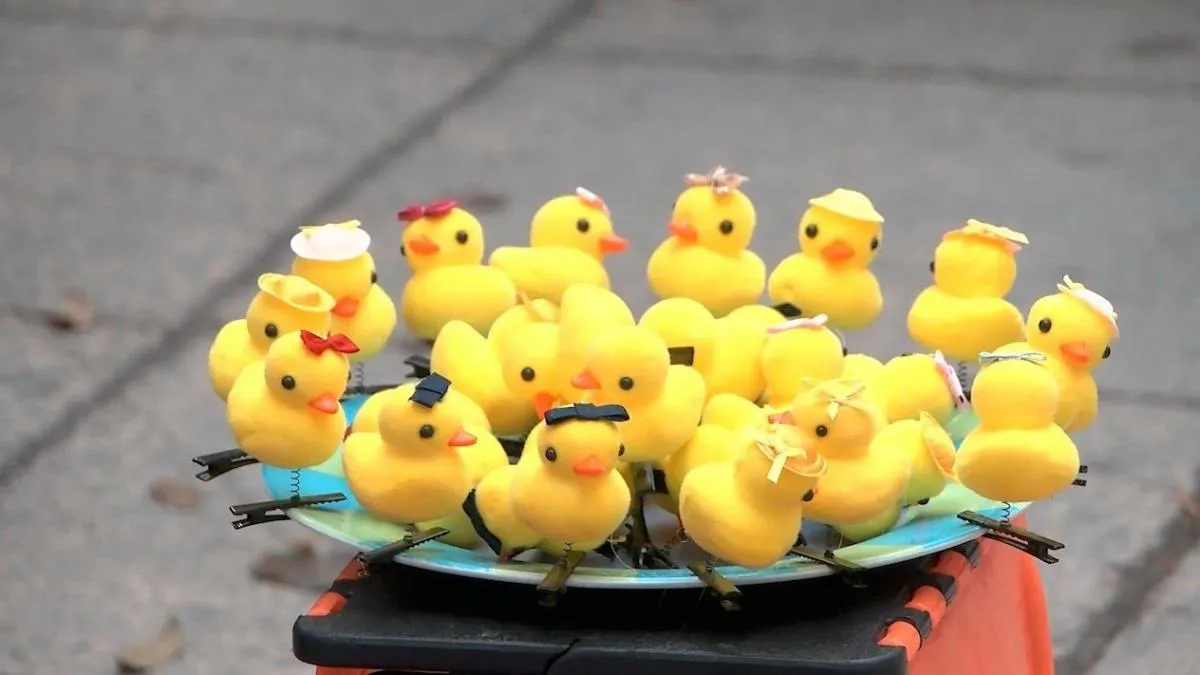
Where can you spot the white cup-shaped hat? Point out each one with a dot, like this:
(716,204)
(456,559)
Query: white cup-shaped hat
(332,242)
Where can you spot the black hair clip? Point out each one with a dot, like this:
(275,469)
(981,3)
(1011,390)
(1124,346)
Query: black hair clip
(587,411)
(788,310)
(682,356)
(430,390)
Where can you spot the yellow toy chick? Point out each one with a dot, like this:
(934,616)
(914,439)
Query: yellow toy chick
(799,352)
(1017,453)
(912,384)
(1075,329)
(413,470)
(707,258)
(930,453)
(839,237)
(283,304)
(525,312)
(863,482)
(964,312)
(710,443)
(527,365)
(749,511)
(367,420)
(470,361)
(570,491)
(631,367)
(444,245)
(738,340)
(569,238)
(587,312)
(284,410)
(687,328)
(335,258)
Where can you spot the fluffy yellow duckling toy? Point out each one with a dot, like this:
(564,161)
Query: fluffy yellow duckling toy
(737,352)
(839,237)
(930,453)
(367,420)
(863,483)
(687,328)
(1017,453)
(413,470)
(912,384)
(706,258)
(463,355)
(527,365)
(749,511)
(586,313)
(284,410)
(861,367)
(569,237)
(798,352)
(570,491)
(283,304)
(732,412)
(335,258)
(526,311)
(710,443)
(444,245)
(1075,329)
(964,312)
(631,367)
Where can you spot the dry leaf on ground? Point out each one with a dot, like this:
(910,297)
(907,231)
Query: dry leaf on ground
(75,314)
(175,494)
(299,566)
(164,648)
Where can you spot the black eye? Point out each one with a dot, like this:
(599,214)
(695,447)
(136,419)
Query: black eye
(811,231)
(402,251)
(288,382)
(528,374)
(874,243)
(845,352)
(809,496)
(1044,325)
(271,331)
(583,225)
(621,451)
(1107,352)
(625,383)
(374,277)
(931,266)
(461,236)
(551,454)
(726,226)
(822,430)
(426,431)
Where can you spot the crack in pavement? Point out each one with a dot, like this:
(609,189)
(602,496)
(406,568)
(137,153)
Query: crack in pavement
(367,168)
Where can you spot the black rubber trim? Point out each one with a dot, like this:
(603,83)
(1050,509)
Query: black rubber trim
(970,551)
(919,619)
(943,582)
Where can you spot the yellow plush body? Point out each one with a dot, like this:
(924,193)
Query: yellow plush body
(683,322)
(362,310)
(929,451)
(630,367)
(706,257)
(861,367)
(574,495)
(367,419)
(569,237)
(875,527)
(494,501)
(911,384)
(464,356)
(1017,453)
(1080,326)
(449,281)
(797,353)
(732,412)
(283,304)
(707,445)
(738,342)
(748,510)
(412,470)
(839,235)
(296,426)
(527,363)
(964,312)
(522,314)
(586,313)
(863,482)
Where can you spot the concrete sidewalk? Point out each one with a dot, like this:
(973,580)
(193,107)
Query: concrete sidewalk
(158,154)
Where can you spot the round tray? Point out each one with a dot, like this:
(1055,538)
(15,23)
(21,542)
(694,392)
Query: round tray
(921,531)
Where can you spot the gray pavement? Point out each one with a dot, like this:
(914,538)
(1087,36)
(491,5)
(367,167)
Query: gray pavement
(157,153)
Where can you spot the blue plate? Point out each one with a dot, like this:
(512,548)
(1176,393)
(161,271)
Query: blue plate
(920,531)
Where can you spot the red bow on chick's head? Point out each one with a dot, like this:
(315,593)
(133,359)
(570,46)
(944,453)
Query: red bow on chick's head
(434,210)
(318,345)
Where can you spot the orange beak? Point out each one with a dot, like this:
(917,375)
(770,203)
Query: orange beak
(461,439)
(543,401)
(683,231)
(422,245)
(1076,352)
(345,308)
(589,466)
(784,417)
(611,243)
(325,403)
(837,252)
(585,380)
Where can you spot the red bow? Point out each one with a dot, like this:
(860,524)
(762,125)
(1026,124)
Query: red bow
(435,210)
(317,344)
